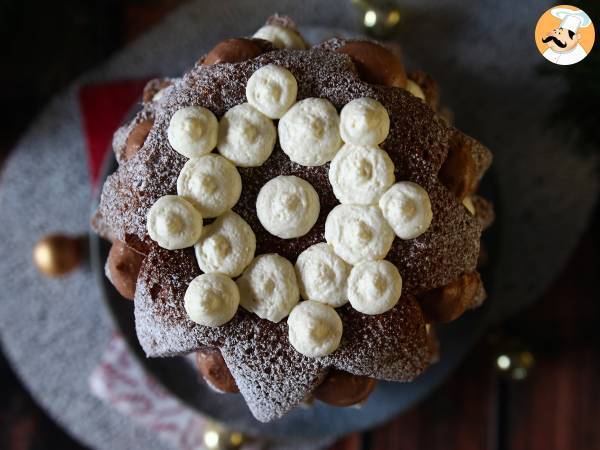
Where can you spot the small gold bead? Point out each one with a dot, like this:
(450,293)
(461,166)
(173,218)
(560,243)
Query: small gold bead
(370,18)
(236,439)
(56,255)
(217,437)
(380,18)
(516,364)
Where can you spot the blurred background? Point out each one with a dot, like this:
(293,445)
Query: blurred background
(532,383)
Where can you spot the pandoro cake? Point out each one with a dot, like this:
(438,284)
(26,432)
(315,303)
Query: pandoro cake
(299,217)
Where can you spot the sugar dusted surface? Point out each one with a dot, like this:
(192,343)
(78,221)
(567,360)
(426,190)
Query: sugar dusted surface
(271,375)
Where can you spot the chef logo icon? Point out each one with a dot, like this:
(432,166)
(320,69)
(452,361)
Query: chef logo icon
(564,35)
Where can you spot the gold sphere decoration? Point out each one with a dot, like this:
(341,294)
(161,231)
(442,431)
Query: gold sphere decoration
(56,254)
(516,365)
(217,437)
(512,359)
(379,17)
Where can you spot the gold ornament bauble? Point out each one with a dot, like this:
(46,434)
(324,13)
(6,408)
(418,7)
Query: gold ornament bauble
(56,254)
(379,17)
(217,437)
(512,358)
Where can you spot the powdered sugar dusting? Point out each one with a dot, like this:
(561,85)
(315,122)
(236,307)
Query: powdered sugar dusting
(271,375)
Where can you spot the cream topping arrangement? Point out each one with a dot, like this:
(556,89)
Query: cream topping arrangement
(210,183)
(211,299)
(468,203)
(193,131)
(327,212)
(226,246)
(364,121)
(174,223)
(407,208)
(246,136)
(348,267)
(322,275)
(159,95)
(287,206)
(415,89)
(315,329)
(309,133)
(360,174)
(281,37)
(374,287)
(358,233)
(269,288)
(272,90)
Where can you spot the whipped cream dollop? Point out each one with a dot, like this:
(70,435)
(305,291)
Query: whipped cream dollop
(211,183)
(364,121)
(309,132)
(322,275)
(211,299)
(360,174)
(174,223)
(358,233)
(415,89)
(407,208)
(193,131)
(246,136)
(314,329)
(469,205)
(374,287)
(280,37)
(272,90)
(287,206)
(268,287)
(160,94)
(226,246)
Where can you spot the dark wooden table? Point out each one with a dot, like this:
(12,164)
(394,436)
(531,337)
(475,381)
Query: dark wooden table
(556,407)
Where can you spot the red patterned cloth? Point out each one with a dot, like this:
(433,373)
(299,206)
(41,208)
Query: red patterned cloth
(120,381)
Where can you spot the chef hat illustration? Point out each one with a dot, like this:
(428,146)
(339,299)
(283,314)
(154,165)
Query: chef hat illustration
(570,19)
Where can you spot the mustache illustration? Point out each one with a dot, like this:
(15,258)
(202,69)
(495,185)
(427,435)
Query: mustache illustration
(556,41)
